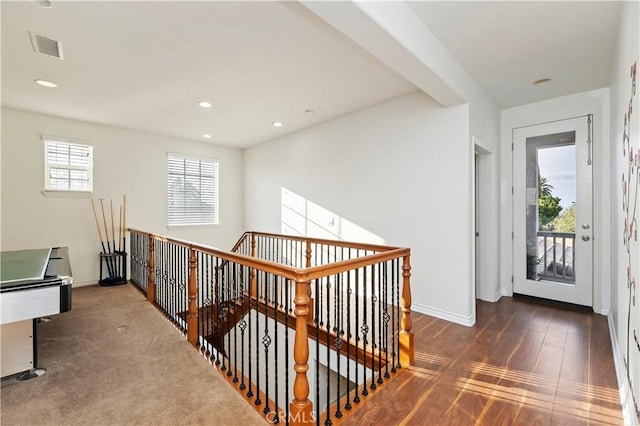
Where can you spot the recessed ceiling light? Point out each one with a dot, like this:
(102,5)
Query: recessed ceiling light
(46,83)
(42,3)
(204,104)
(277,124)
(206,136)
(541,82)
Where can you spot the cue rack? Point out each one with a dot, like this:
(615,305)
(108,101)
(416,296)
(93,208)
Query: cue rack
(113,257)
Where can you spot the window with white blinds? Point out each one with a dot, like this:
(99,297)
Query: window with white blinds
(68,166)
(192,190)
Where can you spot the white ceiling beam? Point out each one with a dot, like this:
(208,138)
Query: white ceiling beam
(391,32)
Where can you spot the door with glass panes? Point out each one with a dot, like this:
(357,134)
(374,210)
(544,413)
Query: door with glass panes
(552,213)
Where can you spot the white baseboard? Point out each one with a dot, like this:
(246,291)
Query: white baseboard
(492,298)
(626,399)
(468,321)
(83,283)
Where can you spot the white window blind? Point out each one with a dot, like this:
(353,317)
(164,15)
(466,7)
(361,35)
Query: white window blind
(68,166)
(192,190)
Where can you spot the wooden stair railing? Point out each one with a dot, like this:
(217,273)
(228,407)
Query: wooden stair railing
(165,266)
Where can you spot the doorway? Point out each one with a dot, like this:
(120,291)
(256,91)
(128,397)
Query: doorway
(552,211)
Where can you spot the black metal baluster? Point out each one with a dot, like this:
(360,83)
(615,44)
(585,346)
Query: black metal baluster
(393,315)
(374,299)
(335,302)
(145,272)
(157,254)
(157,277)
(365,332)
(165,280)
(234,303)
(228,281)
(286,351)
(275,419)
(356,398)
(385,316)
(250,391)
(398,278)
(161,277)
(381,300)
(166,273)
(168,268)
(338,341)
(174,263)
(223,316)
(184,295)
(212,309)
(258,401)
(317,324)
(347,405)
(202,297)
(266,342)
(243,327)
(216,311)
(328,421)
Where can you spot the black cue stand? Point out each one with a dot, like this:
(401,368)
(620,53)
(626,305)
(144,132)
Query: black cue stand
(115,266)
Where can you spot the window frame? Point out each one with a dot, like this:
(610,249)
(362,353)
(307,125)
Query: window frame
(48,166)
(215,220)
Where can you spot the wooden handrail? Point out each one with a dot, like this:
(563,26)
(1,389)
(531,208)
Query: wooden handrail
(338,243)
(301,406)
(240,241)
(285,271)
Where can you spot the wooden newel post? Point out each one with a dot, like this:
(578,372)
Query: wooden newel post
(301,406)
(307,254)
(406,335)
(253,289)
(311,306)
(151,277)
(192,315)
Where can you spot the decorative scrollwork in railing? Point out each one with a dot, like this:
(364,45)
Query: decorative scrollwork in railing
(350,301)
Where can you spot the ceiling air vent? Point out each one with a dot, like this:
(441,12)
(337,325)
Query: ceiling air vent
(46,46)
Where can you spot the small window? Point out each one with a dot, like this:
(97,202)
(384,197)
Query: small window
(68,166)
(192,190)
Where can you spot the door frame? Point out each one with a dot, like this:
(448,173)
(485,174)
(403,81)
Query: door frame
(595,102)
(581,292)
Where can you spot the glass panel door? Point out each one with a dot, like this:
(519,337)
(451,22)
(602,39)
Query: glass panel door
(552,205)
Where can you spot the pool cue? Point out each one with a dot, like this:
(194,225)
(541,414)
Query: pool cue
(104,250)
(106,229)
(120,229)
(124,234)
(113,229)
(124,222)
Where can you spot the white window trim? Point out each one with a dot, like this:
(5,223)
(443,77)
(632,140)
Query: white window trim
(49,192)
(216,192)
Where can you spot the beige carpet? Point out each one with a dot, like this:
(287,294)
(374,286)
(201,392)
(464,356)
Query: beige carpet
(114,360)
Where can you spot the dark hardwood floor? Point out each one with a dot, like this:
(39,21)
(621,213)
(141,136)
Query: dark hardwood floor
(521,364)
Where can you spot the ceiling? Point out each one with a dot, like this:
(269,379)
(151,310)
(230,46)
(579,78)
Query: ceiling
(507,45)
(144,65)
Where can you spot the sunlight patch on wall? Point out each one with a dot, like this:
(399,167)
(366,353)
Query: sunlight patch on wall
(302,217)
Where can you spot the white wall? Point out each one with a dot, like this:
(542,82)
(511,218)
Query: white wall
(625,317)
(126,162)
(484,128)
(401,170)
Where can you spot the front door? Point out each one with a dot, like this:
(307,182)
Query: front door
(553,227)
